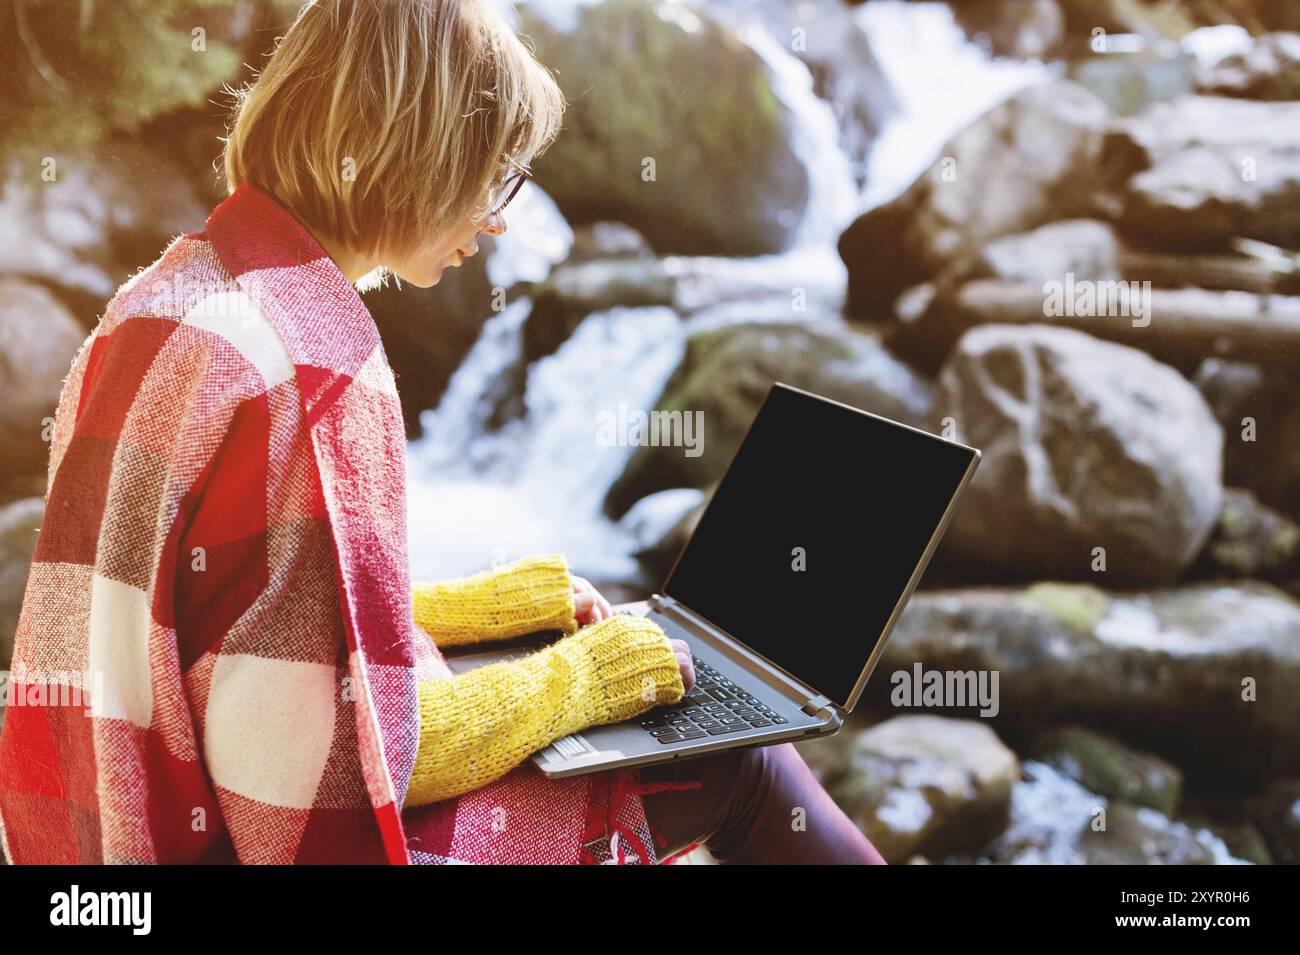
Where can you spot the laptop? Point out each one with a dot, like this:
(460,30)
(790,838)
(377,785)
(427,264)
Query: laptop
(791,583)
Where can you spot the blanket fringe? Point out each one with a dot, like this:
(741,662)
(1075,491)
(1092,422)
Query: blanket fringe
(619,785)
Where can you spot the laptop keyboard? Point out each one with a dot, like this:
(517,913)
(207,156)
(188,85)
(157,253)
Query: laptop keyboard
(715,706)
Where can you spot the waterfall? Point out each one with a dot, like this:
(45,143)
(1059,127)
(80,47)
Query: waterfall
(942,83)
(479,496)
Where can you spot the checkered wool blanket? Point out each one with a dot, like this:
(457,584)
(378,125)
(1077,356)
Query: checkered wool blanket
(216,658)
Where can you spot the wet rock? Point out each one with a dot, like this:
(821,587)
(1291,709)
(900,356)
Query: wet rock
(1261,427)
(1276,812)
(658,547)
(830,41)
(1055,821)
(572,292)
(109,212)
(1268,70)
(929,785)
(1250,540)
(635,72)
(1129,80)
(1206,676)
(607,240)
(1029,161)
(1103,764)
(1086,444)
(1201,170)
(1088,248)
(1021,29)
(726,373)
(1136,835)
(1151,20)
(1243,838)
(38,340)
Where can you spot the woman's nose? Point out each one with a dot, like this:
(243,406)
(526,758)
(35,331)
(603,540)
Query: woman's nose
(495,224)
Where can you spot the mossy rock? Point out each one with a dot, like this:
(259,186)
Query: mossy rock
(1104,765)
(657,81)
(1079,606)
(726,373)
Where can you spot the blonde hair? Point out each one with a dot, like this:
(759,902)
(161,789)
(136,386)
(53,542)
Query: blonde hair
(382,123)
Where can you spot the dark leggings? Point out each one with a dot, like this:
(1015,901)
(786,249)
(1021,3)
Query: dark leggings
(744,810)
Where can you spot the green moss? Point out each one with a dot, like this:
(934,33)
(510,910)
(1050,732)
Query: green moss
(103,68)
(697,101)
(1079,606)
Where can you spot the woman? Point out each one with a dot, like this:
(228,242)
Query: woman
(223,555)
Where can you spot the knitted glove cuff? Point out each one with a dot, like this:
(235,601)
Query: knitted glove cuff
(525,595)
(633,664)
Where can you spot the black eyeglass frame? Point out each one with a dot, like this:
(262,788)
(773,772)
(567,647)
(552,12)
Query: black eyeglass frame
(518,177)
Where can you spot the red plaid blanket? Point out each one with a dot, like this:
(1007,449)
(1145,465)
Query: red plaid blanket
(216,658)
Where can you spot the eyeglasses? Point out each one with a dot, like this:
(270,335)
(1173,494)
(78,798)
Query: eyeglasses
(508,188)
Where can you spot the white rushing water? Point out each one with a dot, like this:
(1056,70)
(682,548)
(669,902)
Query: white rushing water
(478,497)
(941,81)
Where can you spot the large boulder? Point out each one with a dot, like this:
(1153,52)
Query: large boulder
(1027,162)
(927,784)
(1021,29)
(1085,248)
(1056,821)
(1150,20)
(575,290)
(726,373)
(1105,765)
(108,212)
(1130,79)
(1268,69)
(38,340)
(1261,427)
(1250,540)
(1086,444)
(1201,170)
(1206,676)
(830,40)
(664,82)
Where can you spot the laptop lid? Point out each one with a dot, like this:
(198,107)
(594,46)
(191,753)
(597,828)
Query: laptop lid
(817,534)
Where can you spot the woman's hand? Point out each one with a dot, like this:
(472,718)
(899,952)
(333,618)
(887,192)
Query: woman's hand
(590,607)
(685,662)
(588,604)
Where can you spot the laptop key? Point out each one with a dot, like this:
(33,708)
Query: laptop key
(719,731)
(670,739)
(757,723)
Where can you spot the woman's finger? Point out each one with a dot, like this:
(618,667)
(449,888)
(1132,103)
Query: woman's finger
(582,604)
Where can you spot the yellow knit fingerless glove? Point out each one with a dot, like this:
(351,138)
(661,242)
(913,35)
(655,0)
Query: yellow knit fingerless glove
(479,725)
(529,594)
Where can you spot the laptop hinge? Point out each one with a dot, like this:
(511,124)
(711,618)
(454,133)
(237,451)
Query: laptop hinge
(822,708)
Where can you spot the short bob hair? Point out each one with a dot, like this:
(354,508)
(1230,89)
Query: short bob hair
(383,123)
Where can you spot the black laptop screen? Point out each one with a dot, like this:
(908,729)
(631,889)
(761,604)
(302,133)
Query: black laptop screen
(857,496)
